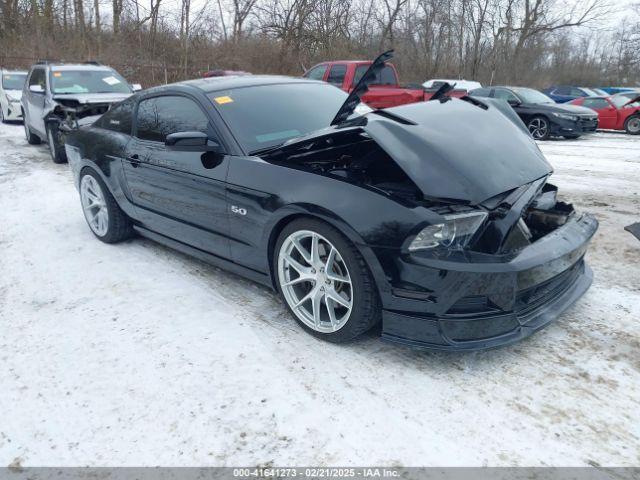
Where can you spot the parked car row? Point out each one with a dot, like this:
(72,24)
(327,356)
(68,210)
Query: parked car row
(545,114)
(356,218)
(543,117)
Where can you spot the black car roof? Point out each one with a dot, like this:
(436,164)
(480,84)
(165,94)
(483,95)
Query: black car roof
(214,84)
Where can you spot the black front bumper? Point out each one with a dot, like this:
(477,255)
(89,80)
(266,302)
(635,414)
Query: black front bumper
(473,306)
(563,127)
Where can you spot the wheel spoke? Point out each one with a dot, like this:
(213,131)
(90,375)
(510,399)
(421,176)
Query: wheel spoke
(301,269)
(300,279)
(305,299)
(315,250)
(316,303)
(303,251)
(330,310)
(336,297)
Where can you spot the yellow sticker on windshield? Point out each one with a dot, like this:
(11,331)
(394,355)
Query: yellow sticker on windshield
(223,100)
(57,74)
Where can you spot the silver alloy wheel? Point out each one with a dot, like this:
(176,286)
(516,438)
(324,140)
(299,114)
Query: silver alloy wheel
(315,281)
(634,125)
(52,147)
(94,205)
(538,128)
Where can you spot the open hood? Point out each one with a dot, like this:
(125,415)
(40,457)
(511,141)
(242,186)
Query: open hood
(457,150)
(633,100)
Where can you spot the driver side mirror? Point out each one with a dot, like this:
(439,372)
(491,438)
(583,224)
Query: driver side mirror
(136,87)
(192,141)
(36,88)
(513,102)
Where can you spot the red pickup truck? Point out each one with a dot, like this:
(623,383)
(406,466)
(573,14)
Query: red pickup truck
(384,92)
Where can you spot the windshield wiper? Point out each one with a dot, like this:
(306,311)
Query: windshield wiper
(262,151)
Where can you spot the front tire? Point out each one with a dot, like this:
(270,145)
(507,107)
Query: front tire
(32,139)
(539,128)
(324,281)
(56,148)
(632,125)
(105,218)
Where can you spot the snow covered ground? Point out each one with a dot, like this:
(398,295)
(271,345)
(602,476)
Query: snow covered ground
(134,354)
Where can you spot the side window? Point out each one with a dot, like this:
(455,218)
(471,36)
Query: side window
(562,91)
(385,77)
(316,73)
(162,116)
(480,92)
(595,103)
(576,92)
(119,118)
(336,75)
(504,94)
(37,78)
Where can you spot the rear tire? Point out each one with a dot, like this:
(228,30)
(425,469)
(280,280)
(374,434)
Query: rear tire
(105,218)
(539,127)
(632,125)
(56,148)
(337,268)
(32,139)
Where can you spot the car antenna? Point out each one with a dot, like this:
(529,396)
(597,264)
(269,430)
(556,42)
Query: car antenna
(355,97)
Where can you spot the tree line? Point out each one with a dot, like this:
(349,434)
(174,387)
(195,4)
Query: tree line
(523,42)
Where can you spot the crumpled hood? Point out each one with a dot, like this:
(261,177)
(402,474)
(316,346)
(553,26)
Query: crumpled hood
(460,151)
(91,98)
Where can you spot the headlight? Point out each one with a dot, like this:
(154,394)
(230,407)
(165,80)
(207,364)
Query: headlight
(453,234)
(566,116)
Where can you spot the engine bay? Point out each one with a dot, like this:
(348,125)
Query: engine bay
(355,158)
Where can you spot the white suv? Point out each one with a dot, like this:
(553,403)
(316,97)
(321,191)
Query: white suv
(58,98)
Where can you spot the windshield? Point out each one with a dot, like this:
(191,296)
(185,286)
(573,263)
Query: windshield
(88,81)
(13,81)
(268,115)
(529,95)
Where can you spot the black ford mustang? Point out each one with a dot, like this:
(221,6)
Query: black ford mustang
(434,218)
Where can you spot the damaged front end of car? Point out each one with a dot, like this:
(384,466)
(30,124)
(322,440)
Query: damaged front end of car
(70,112)
(493,256)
